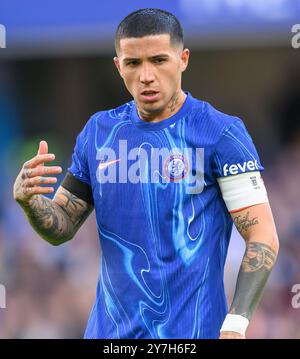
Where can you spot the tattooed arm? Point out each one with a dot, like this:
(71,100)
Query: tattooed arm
(257,227)
(55,220)
(59,219)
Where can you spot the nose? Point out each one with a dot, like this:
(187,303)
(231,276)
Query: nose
(146,75)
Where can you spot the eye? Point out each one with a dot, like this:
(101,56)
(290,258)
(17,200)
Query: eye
(132,63)
(159,61)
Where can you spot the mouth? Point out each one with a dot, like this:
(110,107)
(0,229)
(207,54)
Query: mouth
(150,95)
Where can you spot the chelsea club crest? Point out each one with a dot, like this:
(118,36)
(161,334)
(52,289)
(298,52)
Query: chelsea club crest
(176,167)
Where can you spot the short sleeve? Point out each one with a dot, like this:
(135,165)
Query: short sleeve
(235,152)
(79,167)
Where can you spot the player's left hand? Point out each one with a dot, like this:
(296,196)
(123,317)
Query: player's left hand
(231,335)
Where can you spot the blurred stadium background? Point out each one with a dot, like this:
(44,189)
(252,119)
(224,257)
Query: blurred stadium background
(57,70)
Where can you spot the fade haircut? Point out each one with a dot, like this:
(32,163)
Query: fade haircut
(147,22)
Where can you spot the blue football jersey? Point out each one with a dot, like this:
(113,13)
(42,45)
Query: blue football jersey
(163,226)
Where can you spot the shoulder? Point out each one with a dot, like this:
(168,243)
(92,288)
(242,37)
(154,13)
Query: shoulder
(105,118)
(118,113)
(219,120)
(212,122)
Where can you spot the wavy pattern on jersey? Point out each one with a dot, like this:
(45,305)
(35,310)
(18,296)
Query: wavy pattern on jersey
(154,320)
(184,242)
(113,114)
(155,308)
(201,293)
(155,304)
(113,307)
(152,307)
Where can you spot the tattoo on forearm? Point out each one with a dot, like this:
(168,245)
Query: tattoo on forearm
(256,266)
(257,256)
(243,223)
(57,221)
(71,204)
(48,219)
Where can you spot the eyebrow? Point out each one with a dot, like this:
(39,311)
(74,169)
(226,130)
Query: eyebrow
(151,57)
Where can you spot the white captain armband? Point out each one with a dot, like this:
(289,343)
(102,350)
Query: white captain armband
(243,190)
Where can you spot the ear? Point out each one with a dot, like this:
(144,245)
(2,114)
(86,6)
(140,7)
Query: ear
(117,63)
(185,55)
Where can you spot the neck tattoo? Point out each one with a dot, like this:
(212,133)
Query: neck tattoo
(174,102)
(173,105)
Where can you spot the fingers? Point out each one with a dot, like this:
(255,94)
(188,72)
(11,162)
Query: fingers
(43,148)
(33,173)
(42,171)
(35,181)
(29,191)
(39,159)
(32,185)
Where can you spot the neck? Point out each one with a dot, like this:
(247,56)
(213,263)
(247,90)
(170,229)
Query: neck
(172,107)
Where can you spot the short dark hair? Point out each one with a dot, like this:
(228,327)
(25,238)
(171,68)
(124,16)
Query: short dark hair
(147,22)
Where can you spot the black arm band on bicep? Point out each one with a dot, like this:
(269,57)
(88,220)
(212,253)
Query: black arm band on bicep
(78,188)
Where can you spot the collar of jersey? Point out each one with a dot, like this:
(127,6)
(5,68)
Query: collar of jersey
(185,108)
